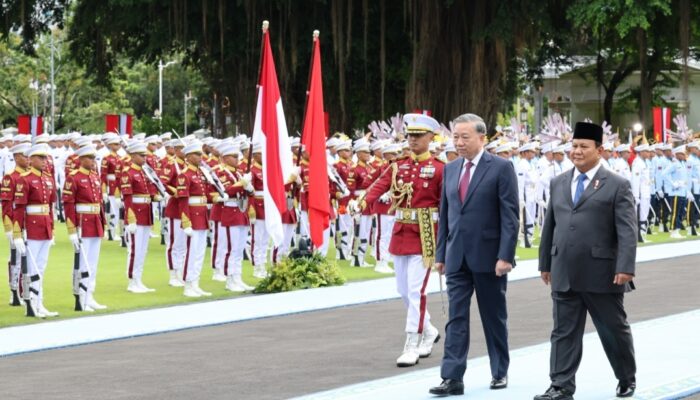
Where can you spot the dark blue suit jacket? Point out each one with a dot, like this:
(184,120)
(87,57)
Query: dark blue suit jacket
(485,227)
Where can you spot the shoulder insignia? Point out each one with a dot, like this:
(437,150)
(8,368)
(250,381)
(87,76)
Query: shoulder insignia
(6,181)
(181,180)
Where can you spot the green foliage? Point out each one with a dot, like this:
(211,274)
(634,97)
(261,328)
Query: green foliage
(301,273)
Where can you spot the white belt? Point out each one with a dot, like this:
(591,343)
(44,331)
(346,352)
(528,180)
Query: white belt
(259,193)
(86,208)
(37,209)
(197,201)
(111,177)
(232,203)
(141,200)
(359,192)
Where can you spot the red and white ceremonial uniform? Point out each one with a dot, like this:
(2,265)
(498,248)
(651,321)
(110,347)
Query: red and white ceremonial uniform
(82,202)
(7,197)
(385,223)
(261,238)
(34,197)
(193,195)
(424,175)
(175,239)
(364,176)
(346,171)
(289,222)
(233,223)
(109,171)
(138,193)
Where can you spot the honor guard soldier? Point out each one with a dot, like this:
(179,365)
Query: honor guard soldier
(138,192)
(415,184)
(7,196)
(33,228)
(109,170)
(385,215)
(85,220)
(694,199)
(175,239)
(364,176)
(232,229)
(640,182)
(662,190)
(261,238)
(193,194)
(527,189)
(676,179)
(290,219)
(345,168)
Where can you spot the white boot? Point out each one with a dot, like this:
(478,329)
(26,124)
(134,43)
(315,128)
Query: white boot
(383,268)
(134,287)
(233,286)
(92,303)
(676,234)
(34,305)
(144,287)
(45,312)
(190,291)
(218,276)
(410,356)
(240,282)
(195,286)
(430,336)
(175,280)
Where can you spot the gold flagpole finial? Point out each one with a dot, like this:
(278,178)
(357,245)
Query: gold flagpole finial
(265,25)
(316,33)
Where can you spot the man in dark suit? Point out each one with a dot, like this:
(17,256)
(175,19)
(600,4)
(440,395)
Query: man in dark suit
(587,254)
(477,235)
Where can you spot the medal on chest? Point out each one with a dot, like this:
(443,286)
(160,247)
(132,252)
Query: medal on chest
(427,172)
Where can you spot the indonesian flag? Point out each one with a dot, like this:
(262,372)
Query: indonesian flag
(662,122)
(314,140)
(270,131)
(118,123)
(30,125)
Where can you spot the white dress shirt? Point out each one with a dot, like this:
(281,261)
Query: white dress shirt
(475,161)
(590,174)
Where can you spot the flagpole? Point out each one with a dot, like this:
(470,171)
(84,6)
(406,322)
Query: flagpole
(265,26)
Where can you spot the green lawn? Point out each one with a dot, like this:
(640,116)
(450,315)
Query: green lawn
(112,280)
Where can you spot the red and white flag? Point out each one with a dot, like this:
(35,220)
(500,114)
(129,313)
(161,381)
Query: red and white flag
(314,141)
(30,125)
(270,131)
(662,122)
(119,123)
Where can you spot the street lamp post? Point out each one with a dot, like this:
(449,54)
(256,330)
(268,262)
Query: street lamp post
(188,97)
(161,67)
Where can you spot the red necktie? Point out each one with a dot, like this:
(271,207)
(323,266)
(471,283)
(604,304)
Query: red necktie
(464,182)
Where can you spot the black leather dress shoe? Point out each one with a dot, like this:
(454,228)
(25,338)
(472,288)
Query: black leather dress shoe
(501,383)
(448,387)
(626,390)
(555,393)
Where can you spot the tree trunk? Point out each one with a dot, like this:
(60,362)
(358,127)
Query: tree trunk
(382,54)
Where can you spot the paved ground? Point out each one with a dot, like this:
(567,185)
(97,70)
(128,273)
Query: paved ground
(288,356)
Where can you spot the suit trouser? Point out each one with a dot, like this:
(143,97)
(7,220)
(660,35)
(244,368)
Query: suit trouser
(231,246)
(37,259)
(196,249)
(411,283)
(90,247)
(385,226)
(678,204)
(609,317)
(137,249)
(491,298)
(176,245)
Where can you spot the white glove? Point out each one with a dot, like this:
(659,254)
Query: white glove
(246,179)
(385,198)
(660,195)
(188,231)
(249,187)
(353,207)
(220,199)
(166,198)
(676,185)
(10,237)
(346,193)
(105,197)
(131,228)
(637,201)
(21,248)
(690,197)
(75,241)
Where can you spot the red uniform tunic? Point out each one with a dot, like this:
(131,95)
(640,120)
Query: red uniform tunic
(424,173)
(193,195)
(7,196)
(110,169)
(257,182)
(233,211)
(34,198)
(364,176)
(168,175)
(138,192)
(154,162)
(82,202)
(213,161)
(347,174)
(379,207)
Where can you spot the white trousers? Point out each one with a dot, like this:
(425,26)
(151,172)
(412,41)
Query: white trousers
(411,283)
(385,227)
(37,259)
(176,245)
(230,249)
(113,215)
(346,231)
(259,243)
(304,229)
(13,270)
(137,249)
(284,249)
(363,236)
(91,254)
(326,241)
(196,246)
(218,242)
(644,207)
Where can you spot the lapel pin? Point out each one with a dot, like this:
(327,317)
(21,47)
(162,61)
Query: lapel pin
(595,184)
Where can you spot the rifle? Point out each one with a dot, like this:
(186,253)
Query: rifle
(154,179)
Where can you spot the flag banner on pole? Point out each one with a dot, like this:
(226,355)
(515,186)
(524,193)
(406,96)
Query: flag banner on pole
(30,125)
(270,132)
(423,111)
(314,141)
(662,122)
(118,123)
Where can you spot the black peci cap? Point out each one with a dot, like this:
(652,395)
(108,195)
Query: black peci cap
(586,130)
